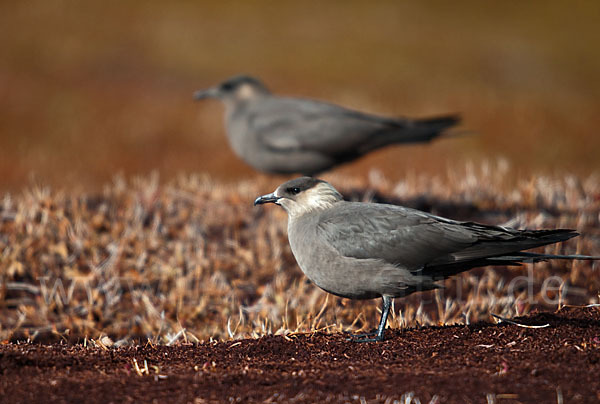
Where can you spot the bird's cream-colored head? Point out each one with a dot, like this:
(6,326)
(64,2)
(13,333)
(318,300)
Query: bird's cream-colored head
(302,195)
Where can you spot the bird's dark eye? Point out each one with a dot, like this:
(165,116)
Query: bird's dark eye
(227,86)
(294,190)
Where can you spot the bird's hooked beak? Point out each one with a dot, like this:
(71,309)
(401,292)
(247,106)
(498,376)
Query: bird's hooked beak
(212,92)
(269,198)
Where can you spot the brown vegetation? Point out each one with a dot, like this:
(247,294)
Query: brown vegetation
(193,260)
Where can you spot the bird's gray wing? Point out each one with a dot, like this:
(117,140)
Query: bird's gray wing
(299,124)
(401,236)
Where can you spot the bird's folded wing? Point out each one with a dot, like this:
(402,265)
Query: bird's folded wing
(394,234)
(296,124)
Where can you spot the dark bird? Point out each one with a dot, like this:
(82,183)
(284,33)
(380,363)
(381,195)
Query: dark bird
(368,250)
(284,135)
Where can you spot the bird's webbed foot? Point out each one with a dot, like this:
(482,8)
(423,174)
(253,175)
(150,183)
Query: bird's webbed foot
(350,336)
(366,337)
(377,336)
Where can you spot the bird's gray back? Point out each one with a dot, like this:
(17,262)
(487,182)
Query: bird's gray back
(290,124)
(417,240)
(395,234)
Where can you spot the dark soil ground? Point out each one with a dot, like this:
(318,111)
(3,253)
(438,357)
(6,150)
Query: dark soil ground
(477,363)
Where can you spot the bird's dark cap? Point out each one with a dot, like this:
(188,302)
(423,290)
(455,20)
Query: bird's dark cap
(235,82)
(230,88)
(298,185)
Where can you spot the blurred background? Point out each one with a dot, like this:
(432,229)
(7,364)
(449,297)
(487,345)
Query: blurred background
(92,89)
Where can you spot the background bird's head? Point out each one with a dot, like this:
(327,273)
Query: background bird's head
(234,89)
(302,195)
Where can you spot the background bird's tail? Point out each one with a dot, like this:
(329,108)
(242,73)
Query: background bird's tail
(439,123)
(408,131)
(430,128)
(414,130)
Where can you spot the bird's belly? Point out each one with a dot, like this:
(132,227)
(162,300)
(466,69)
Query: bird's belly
(335,274)
(283,161)
(247,145)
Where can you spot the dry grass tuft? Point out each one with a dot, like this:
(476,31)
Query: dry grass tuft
(193,260)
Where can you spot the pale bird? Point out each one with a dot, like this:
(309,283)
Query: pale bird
(369,250)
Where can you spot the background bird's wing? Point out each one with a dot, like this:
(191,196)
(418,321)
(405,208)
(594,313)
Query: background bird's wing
(397,235)
(299,124)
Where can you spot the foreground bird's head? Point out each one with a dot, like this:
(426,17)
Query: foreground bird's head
(237,88)
(302,195)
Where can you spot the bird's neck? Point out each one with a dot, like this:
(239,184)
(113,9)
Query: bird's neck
(311,202)
(296,212)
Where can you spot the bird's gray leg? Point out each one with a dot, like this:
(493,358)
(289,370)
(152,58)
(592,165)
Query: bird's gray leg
(385,311)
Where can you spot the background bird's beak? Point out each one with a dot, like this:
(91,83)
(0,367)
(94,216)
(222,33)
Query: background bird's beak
(269,198)
(208,93)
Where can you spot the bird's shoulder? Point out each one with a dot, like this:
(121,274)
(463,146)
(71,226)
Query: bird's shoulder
(372,216)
